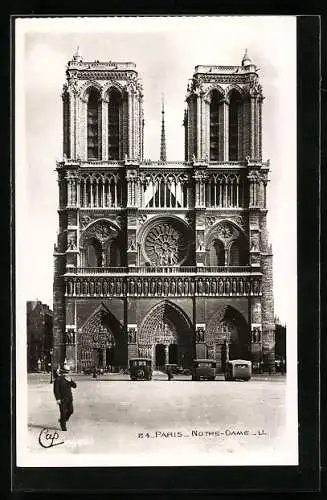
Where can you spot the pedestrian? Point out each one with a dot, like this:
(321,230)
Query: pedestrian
(62,388)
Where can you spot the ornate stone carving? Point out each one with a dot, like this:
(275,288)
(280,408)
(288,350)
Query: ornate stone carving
(224,231)
(85,220)
(165,245)
(131,334)
(142,218)
(199,334)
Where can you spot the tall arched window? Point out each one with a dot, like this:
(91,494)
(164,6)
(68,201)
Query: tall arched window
(217,253)
(114,113)
(215,132)
(235,117)
(93,253)
(238,255)
(93,125)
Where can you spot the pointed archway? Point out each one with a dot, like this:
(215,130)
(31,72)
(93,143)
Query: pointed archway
(227,336)
(100,341)
(166,325)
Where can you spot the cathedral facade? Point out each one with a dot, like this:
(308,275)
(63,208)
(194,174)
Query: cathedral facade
(168,260)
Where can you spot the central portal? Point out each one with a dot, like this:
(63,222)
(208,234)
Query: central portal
(167,332)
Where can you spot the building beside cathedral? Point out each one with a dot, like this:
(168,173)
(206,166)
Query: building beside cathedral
(164,259)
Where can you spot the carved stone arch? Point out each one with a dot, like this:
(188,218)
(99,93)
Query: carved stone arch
(88,87)
(234,88)
(103,238)
(112,86)
(164,325)
(101,332)
(227,325)
(213,88)
(103,220)
(233,227)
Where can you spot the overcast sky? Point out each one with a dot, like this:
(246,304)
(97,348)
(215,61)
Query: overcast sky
(165,51)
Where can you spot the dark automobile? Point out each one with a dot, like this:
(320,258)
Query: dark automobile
(238,369)
(204,369)
(140,369)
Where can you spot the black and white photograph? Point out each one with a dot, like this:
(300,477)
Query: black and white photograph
(156,241)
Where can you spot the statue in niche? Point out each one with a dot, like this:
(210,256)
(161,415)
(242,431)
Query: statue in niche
(105,288)
(255,287)
(221,286)
(98,288)
(132,287)
(173,287)
(146,287)
(118,287)
(92,287)
(132,245)
(247,286)
(192,287)
(131,335)
(227,286)
(255,245)
(200,244)
(71,245)
(153,287)
(207,286)
(180,287)
(186,287)
(112,287)
(139,287)
(166,287)
(78,287)
(70,288)
(85,288)
(159,287)
(241,285)
(200,334)
(200,286)
(234,286)
(213,287)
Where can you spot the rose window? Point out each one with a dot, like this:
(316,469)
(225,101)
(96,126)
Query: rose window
(165,245)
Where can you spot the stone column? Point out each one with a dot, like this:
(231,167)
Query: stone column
(252,127)
(130,126)
(198,128)
(226,129)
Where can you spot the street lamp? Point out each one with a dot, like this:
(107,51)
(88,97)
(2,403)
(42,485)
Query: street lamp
(51,353)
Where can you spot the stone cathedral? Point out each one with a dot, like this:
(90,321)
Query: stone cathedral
(168,260)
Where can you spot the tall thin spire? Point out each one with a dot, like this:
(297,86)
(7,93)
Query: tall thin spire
(163,156)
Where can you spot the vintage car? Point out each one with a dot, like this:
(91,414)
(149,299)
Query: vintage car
(238,369)
(204,369)
(140,369)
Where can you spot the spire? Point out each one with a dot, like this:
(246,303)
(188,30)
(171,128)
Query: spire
(246,61)
(163,135)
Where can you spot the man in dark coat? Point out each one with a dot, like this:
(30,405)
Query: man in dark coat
(62,389)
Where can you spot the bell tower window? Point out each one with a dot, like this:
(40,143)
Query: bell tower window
(235,103)
(114,118)
(214,126)
(93,125)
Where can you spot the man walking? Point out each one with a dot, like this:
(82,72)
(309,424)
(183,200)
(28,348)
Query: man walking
(62,389)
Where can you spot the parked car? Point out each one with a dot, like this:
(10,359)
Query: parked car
(238,369)
(140,369)
(204,369)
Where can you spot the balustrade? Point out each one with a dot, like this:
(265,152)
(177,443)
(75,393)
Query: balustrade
(165,270)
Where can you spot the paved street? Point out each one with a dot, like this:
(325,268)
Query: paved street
(114,415)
